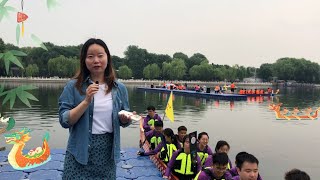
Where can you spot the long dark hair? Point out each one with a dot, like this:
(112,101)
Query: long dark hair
(169,132)
(109,73)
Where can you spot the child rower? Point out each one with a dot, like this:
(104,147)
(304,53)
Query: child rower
(203,149)
(166,148)
(182,131)
(182,164)
(149,120)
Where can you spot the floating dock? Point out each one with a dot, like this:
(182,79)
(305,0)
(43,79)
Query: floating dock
(234,97)
(130,167)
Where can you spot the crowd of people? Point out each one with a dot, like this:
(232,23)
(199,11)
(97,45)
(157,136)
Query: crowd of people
(176,151)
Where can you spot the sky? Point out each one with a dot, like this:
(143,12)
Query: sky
(244,32)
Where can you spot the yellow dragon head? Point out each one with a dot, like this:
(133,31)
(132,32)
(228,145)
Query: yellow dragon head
(21,136)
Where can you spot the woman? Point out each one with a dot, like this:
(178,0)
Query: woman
(88,107)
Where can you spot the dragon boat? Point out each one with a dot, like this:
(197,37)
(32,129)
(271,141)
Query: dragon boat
(154,158)
(281,116)
(290,116)
(35,157)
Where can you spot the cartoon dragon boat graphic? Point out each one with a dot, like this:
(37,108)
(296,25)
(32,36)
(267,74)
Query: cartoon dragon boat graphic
(295,114)
(35,157)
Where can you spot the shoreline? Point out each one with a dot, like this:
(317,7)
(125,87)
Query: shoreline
(140,82)
(130,81)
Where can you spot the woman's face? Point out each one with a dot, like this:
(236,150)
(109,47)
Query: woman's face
(204,140)
(97,59)
(223,149)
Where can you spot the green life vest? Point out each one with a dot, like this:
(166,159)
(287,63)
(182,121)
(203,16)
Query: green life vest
(166,154)
(154,141)
(183,164)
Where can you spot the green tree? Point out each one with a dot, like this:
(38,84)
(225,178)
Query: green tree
(117,62)
(124,72)
(62,66)
(180,55)
(265,72)
(195,59)
(203,72)
(174,70)
(31,70)
(136,58)
(152,71)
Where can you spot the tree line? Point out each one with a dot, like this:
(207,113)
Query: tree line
(138,63)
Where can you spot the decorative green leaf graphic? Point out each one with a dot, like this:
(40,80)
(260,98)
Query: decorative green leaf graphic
(18,33)
(10,56)
(22,94)
(51,4)
(38,42)
(18,53)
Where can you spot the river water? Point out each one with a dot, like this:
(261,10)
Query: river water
(246,125)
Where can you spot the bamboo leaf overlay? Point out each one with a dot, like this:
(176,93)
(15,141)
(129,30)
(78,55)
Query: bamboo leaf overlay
(1,88)
(4,10)
(10,56)
(22,94)
(38,42)
(18,33)
(51,4)
(18,53)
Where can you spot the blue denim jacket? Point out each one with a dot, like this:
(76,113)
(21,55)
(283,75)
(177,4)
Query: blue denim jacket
(80,133)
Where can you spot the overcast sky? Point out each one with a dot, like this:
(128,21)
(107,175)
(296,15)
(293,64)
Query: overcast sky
(244,32)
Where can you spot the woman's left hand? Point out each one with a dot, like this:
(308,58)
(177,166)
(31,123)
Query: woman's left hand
(124,119)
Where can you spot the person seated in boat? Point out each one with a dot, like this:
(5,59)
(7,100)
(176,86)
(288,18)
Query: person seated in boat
(149,120)
(182,163)
(182,131)
(245,163)
(217,169)
(295,111)
(166,148)
(203,149)
(241,91)
(249,91)
(197,88)
(217,89)
(164,85)
(295,174)
(269,91)
(221,146)
(247,168)
(285,111)
(261,91)
(257,91)
(154,136)
(308,111)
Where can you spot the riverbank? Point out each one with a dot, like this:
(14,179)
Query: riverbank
(140,82)
(129,81)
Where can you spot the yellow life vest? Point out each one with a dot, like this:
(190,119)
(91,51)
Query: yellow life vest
(166,156)
(208,172)
(154,141)
(184,163)
(203,156)
(151,122)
